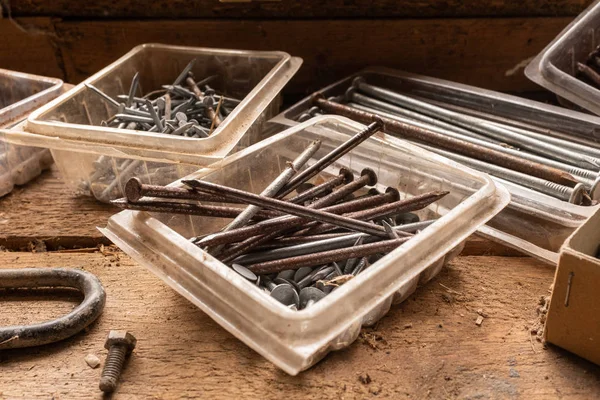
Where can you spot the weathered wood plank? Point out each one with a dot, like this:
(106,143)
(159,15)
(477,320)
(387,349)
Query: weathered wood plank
(71,221)
(297,9)
(476,51)
(28,46)
(427,347)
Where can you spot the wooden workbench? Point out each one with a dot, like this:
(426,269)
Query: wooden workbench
(428,346)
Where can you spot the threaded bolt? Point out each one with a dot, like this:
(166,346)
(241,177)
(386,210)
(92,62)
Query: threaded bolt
(119,345)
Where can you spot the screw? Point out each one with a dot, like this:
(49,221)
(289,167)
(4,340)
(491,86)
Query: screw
(119,345)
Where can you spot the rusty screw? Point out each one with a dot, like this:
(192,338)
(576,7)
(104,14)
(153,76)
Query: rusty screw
(119,345)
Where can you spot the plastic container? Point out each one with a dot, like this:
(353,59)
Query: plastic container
(20,94)
(70,125)
(555,67)
(295,340)
(533,223)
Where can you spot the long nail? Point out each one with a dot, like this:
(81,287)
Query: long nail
(190,209)
(283,223)
(276,184)
(345,176)
(460,146)
(290,208)
(135,190)
(326,257)
(374,126)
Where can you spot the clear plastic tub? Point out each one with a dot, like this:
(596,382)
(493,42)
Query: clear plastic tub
(533,223)
(295,340)
(555,67)
(70,125)
(20,94)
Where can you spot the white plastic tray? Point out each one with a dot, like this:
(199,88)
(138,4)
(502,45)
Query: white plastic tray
(295,340)
(20,94)
(533,223)
(555,67)
(70,125)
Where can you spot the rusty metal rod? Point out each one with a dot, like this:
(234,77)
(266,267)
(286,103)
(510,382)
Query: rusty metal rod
(362,204)
(283,223)
(190,209)
(135,190)
(456,145)
(326,257)
(345,176)
(402,206)
(375,124)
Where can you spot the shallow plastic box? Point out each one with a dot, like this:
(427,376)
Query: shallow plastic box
(70,125)
(555,67)
(20,94)
(533,223)
(295,340)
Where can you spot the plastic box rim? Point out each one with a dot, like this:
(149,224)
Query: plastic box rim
(495,196)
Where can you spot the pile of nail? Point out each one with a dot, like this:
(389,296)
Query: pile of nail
(306,233)
(184,108)
(590,71)
(537,159)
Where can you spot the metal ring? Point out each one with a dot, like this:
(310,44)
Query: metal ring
(12,337)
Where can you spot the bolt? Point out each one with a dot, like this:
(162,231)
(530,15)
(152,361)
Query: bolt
(119,345)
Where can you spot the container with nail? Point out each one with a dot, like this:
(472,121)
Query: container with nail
(20,94)
(158,113)
(570,65)
(295,317)
(557,141)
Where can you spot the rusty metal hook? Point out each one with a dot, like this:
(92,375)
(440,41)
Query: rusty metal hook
(91,307)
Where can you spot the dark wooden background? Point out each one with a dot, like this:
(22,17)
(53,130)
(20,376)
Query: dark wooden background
(479,42)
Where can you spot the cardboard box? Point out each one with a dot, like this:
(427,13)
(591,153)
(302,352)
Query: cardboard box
(573,320)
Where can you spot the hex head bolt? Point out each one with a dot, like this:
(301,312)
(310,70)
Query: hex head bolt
(460,146)
(119,345)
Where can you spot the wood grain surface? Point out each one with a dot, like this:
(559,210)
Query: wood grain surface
(296,9)
(485,52)
(427,347)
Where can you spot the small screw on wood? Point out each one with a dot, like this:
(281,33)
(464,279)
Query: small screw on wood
(119,345)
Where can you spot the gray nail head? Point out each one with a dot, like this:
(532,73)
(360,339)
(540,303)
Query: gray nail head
(286,294)
(302,273)
(245,272)
(310,294)
(287,274)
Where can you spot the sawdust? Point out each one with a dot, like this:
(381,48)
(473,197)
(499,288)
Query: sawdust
(537,326)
